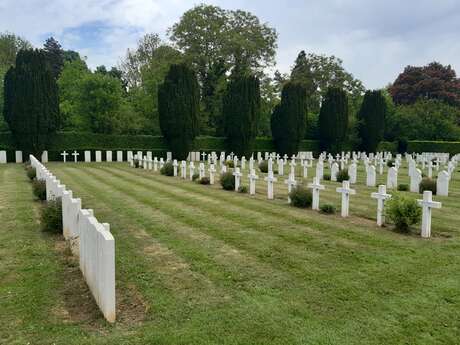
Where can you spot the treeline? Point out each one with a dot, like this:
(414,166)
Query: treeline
(211,79)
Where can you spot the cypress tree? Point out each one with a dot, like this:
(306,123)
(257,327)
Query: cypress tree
(55,56)
(288,120)
(371,118)
(178,107)
(32,104)
(241,112)
(333,120)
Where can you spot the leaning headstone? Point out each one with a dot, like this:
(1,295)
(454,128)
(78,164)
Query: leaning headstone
(371,176)
(346,191)
(415,180)
(442,184)
(3,159)
(87,156)
(381,196)
(392,178)
(99,156)
(108,156)
(18,156)
(427,204)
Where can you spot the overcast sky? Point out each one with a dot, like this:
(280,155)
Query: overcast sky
(375,39)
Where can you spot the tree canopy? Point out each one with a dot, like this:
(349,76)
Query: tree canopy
(54,55)
(433,81)
(371,118)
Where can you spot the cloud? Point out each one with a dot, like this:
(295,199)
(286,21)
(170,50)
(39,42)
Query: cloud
(375,39)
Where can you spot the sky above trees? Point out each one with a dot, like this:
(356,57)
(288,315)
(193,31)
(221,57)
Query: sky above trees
(375,39)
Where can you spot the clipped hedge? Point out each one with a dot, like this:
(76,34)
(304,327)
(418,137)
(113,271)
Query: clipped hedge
(452,147)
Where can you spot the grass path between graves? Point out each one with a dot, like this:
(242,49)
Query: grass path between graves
(198,265)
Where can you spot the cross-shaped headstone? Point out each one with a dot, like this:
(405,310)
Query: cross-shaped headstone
(316,186)
(427,204)
(192,170)
(381,196)
(281,167)
(290,182)
(155,164)
(201,170)
(237,173)
(203,156)
(270,180)
(212,172)
(175,165)
(346,191)
(252,182)
(183,170)
(64,155)
(75,155)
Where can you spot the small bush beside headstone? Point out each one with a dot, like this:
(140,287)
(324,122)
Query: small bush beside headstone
(51,217)
(227,181)
(327,208)
(31,172)
(39,189)
(327,177)
(403,187)
(230,164)
(263,166)
(205,180)
(390,163)
(427,184)
(403,212)
(195,176)
(167,169)
(301,197)
(343,175)
(243,189)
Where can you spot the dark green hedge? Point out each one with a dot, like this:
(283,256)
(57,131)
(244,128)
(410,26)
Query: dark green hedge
(452,147)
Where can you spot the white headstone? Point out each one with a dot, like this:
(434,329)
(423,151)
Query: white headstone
(442,183)
(64,156)
(119,156)
(290,182)
(44,158)
(252,182)
(212,173)
(191,169)
(320,170)
(352,171)
(18,157)
(427,204)
(75,155)
(201,170)
(270,180)
(108,156)
(316,186)
(415,180)
(346,191)
(175,165)
(237,173)
(392,178)
(87,156)
(371,176)
(183,169)
(99,156)
(334,171)
(381,196)
(3,159)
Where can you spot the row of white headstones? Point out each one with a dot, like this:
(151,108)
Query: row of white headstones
(381,196)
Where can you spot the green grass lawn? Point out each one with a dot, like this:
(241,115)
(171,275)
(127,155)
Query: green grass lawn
(199,265)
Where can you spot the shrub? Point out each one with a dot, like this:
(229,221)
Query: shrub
(390,163)
(243,189)
(403,212)
(230,163)
(402,145)
(427,184)
(300,197)
(205,180)
(195,176)
(327,177)
(263,166)
(31,172)
(227,181)
(167,169)
(327,208)
(342,175)
(137,163)
(51,217)
(39,189)
(403,187)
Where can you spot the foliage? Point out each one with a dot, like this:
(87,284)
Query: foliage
(31,172)
(195,176)
(371,118)
(178,107)
(229,163)
(433,81)
(424,120)
(333,120)
(327,209)
(403,187)
(167,169)
(317,73)
(326,176)
(427,184)
(51,216)
(402,145)
(403,212)
(242,189)
(301,196)
(342,175)
(39,189)
(54,55)
(263,166)
(31,101)
(288,121)
(216,42)
(227,181)
(205,180)
(241,112)
(390,163)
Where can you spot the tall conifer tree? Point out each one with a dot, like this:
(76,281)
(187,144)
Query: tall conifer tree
(333,120)
(371,118)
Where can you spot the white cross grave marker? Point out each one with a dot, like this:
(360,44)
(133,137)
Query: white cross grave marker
(252,182)
(237,173)
(270,180)
(75,155)
(316,186)
(381,196)
(64,155)
(427,204)
(346,191)
(290,183)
